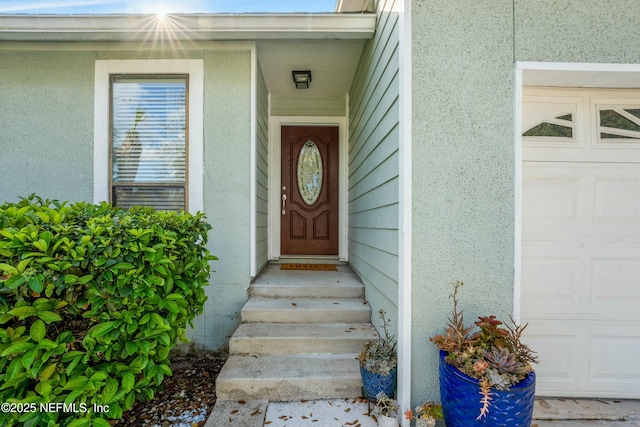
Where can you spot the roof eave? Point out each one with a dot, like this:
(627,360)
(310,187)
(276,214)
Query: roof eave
(134,27)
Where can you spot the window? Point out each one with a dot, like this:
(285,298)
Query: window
(149,141)
(619,123)
(549,120)
(148,133)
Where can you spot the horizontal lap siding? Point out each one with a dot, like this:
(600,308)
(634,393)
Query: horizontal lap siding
(307,106)
(262,155)
(373,165)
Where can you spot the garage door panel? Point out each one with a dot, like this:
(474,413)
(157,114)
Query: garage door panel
(581,202)
(547,277)
(551,198)
(580,260)
(615,360)
(611,367)
(618,200)
(558,352)
(573,280)
(611,278)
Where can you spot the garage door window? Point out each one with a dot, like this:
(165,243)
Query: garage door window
(544,121)
(619,123)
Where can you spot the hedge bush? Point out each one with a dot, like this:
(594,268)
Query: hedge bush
(92,300)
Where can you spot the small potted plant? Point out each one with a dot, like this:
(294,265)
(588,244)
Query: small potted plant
(425,414)
(486,374)
(387,411)
(379,363)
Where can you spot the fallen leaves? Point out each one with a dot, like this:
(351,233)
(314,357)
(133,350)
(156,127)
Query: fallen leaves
(350,412)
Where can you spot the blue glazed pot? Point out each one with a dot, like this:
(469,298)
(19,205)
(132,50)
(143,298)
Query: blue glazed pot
(460,395)
(373,383)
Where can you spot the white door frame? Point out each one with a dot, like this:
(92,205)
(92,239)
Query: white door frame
(554,74)
(275,175)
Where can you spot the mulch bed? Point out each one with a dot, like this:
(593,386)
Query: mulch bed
(186,398)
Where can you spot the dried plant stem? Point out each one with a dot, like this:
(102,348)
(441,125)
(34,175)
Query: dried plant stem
(485,391)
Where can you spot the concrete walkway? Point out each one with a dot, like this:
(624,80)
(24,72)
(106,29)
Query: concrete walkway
(354,412)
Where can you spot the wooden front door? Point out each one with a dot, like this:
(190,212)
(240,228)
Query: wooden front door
(309,190)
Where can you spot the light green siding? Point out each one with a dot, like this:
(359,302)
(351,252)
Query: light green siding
(462,150)
(262,170)
(373,166)
(46,124)
(308,106)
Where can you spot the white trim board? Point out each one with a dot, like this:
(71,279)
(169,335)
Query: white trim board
(195,69)
(253,162)
(554,74)
(274,177)
(405,282)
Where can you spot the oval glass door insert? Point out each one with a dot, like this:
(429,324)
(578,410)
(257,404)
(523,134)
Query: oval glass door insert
(310,172)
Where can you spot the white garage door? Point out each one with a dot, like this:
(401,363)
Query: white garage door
(581,240)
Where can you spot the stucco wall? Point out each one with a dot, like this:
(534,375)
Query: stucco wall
(46,124)
(46,146)
(374,167)
(463,69)
(227,181)
(577,31)
(462,153)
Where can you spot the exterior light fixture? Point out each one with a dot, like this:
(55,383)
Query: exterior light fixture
(301,79)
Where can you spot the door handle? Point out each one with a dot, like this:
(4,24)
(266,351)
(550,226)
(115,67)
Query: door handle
(284,202)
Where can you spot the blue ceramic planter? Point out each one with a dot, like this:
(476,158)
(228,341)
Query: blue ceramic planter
(373,383)
(460,395)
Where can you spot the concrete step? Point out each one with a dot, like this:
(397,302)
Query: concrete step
(292,338)
(276,283)
(308,260)
(285,290)
(305,310)
(289,377)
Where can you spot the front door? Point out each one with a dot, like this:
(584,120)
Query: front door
(309,190)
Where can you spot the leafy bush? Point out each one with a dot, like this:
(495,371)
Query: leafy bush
(92,300)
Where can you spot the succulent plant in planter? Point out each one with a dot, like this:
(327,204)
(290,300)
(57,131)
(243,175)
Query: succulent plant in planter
(491,361)
(387,411)
(425,414)
(379,363)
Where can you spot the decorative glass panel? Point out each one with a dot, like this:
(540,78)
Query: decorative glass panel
(310,172)
(559,127)
(620,123)
(148,140)
(549,121)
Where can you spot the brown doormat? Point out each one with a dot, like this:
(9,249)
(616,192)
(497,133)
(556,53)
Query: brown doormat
(323,267)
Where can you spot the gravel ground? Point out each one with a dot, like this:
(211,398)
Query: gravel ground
(187,397)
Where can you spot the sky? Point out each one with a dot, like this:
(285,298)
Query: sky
(163,6)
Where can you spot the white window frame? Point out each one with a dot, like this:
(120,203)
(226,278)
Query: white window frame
(101,167)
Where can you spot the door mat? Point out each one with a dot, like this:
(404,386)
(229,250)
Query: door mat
(323,267)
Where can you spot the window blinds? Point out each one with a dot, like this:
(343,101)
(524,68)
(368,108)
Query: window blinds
(149,141)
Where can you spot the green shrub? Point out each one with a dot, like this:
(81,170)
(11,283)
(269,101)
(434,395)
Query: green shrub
(92,300)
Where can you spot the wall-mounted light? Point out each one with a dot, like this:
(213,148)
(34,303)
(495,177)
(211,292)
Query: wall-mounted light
(302,79)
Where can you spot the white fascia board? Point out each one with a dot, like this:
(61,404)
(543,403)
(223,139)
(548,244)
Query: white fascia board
(181,27)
